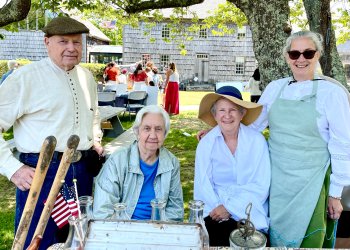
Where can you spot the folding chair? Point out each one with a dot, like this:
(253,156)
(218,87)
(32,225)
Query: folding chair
(106,98)
(136,101)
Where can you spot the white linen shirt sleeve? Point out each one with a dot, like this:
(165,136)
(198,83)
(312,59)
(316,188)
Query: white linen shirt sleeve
(337,112)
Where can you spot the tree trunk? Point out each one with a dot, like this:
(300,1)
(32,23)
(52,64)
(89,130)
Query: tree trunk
(268,21)
(14,11)
(320,20)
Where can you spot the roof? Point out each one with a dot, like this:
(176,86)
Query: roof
(94,31)
(201,9)
(107,49)
(344,48)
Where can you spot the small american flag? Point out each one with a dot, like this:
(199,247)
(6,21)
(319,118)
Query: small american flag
(64,207)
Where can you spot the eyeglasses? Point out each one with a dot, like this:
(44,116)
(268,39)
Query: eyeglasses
(295,54)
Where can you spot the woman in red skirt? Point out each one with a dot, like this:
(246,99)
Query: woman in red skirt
(171,103)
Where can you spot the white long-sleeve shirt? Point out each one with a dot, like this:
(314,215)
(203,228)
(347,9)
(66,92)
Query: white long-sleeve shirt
(333,122)
(234,180)
(41,99)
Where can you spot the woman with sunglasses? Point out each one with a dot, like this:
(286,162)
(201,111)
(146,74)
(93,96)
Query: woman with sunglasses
(309,122)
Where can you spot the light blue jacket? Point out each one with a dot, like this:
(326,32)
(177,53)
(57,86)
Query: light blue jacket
(121,180)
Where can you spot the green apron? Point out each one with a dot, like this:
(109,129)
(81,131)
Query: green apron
(299,161)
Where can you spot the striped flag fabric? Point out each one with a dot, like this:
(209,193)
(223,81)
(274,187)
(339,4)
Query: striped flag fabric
(64,207)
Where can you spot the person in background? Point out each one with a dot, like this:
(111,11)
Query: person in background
(123,76)
(139,78)
(253,86)
(309,122)
(53,97)
(141,172)
(12,65)
(149,73)
(150,65)
(111,73)
(157,78)
(171,100)
(232,166)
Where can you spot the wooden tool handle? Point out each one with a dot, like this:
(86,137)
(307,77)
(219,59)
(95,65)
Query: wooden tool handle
(42,166)
(66,160)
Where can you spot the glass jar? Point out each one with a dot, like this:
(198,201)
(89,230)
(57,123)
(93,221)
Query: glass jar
(77,231)
(85,204)
(196,216)
(120,212)
(158,210)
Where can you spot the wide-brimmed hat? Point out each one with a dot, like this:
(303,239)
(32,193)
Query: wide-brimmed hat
(63,25)
(232,94)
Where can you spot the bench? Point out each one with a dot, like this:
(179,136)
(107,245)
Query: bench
(110,123)
(123,140)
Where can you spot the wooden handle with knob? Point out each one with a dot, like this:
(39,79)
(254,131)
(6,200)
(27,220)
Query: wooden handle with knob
(42,166)
(62,170)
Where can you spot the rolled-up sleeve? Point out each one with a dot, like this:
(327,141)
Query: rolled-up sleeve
(338,117)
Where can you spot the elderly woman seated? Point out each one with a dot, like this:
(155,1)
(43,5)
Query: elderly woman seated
(232,165)
(141,172)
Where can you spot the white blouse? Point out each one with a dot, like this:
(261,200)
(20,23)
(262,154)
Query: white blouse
(333,123)
(234,180)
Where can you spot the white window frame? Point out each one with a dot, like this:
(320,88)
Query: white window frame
(164,61)
(203,32)
(165,31)
(241,33)
(239,65)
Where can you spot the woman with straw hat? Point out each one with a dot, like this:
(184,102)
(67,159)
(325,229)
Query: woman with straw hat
(232,165)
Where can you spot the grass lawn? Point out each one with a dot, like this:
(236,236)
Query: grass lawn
(183,147)
(189,98)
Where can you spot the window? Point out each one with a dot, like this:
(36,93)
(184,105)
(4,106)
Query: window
(165,31)
(241,33)
(203,32)
(239,65)
(202,56)
(164,62)
(145,58)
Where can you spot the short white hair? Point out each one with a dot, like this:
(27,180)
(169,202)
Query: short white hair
(316,38)
(154,109)
(11,64)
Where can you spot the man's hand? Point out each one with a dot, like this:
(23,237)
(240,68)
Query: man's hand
(98,148)
(202,133)
(334,208)
(23,177)
(219,213)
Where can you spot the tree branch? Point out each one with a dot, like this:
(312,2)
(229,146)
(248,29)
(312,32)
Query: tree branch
(14,11)
(137,6)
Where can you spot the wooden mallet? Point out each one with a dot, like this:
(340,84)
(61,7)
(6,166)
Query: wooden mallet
(42,166)
(67,158)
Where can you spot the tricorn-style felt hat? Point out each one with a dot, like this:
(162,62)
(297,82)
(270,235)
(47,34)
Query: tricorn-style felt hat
(232,94)
(63,25)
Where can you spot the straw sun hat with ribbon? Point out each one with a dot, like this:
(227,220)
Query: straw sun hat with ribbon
(233,95)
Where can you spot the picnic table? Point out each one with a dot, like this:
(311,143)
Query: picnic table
(110,114)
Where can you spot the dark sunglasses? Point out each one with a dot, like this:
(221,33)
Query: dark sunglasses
(295,54)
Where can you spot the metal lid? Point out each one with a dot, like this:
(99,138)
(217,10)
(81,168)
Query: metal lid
(257,240)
